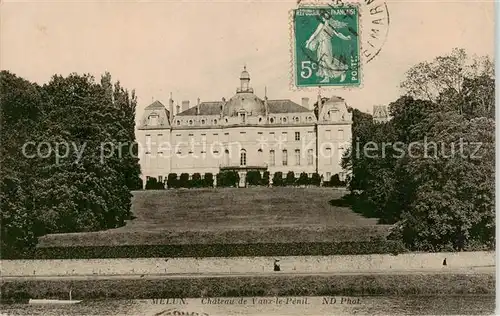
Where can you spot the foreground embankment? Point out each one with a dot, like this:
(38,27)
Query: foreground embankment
(279,285)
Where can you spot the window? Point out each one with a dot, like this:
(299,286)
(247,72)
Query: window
(215,121)
(153,119)
(284,136)
(328,176)
(160,179)
(202,122)
(243,158)
(260,119)
(260,133)
(297,157)
(328,156)
(190,122)
(296,119)
(271,120)
(310,157)
(285,157)
(243,118)
(284,120)
(309,118)
(160,135)
(178,122)
(272,158)
(340,133)
(297,136)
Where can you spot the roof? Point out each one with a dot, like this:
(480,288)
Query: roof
(206,108)
(285,106)
(155,105)
(275,106)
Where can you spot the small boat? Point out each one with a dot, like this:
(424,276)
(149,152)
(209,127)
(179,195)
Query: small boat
(53,301)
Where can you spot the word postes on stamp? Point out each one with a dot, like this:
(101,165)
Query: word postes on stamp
(326,46)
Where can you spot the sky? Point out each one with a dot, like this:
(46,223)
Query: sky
(197,49)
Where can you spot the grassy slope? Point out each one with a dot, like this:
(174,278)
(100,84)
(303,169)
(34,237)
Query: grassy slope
(220,216)
(395,284)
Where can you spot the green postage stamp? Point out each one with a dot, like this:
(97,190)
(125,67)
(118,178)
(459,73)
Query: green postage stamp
(326,46)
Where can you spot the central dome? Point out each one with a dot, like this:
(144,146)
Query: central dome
(247,102)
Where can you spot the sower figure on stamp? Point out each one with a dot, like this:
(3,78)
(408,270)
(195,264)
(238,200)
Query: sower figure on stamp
(321,42)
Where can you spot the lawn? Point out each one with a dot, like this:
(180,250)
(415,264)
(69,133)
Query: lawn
(231,216)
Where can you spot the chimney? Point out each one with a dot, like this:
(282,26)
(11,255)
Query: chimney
(185,105)
(198,107)
(177,109)
(171,108)
(305,103)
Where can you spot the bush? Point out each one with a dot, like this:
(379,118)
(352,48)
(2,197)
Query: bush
(303,179)
(153,184)
(172,181)
(228,179)
(184,180)
(254,178)
(195,181)
(335,181)
(315,179)
(278,179)
(208,180)
(265,179)
(290,178)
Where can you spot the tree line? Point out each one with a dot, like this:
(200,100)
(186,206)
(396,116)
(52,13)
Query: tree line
(231,178)
(430,169)
(45,190)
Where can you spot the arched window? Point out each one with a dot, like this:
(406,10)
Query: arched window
(178,122)
(215,121)
(271,120)
(284,120)
(296,119)
(285,157)
(243,157)
(190,122)
(203,122)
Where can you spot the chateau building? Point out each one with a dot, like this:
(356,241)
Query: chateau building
(244,133)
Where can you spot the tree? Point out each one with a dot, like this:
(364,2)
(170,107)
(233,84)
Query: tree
(196,181)
(265,178)
(278,179)
(290,178)
(253,177)
(172,181)
(184,180)
(315,179)
(208,180)
(428,80)
(303,179)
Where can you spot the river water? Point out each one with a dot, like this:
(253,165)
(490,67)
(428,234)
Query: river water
(338,305)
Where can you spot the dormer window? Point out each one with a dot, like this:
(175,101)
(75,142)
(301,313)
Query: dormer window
(203,122)
(215,121)
(296,119)
(178,122)
(284,120)
(243,118)
(190,122)
(153,119)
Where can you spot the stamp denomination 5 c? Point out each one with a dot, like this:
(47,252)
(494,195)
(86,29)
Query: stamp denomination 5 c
(326,46)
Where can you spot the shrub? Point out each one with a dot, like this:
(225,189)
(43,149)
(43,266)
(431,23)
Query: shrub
(228,179)
(278,179)
(254,178)
(265,178)
(153,184)
(208,180)
(195,180)
(315,179)
(184,180)
(303,179)
(172,181)
(290,178)
(335,181)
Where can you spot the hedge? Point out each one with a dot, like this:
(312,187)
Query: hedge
(223,250)
(153,184)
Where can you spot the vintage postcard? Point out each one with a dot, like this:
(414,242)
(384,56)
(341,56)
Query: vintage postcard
(249,157)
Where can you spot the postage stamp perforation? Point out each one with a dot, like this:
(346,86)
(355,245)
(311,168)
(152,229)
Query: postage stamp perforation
(292,48)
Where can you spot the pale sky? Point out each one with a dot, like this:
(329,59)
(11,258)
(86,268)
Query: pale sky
(198,48)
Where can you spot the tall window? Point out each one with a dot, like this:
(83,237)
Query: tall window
(285,157)
(297,136)
(272,158)
(243,118)
(309,157)
(297,157)
(328,156)
(328,134)
(340,134)
(243,158)
(160,179)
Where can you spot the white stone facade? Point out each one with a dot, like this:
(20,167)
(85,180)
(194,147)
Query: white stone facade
(244,133)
